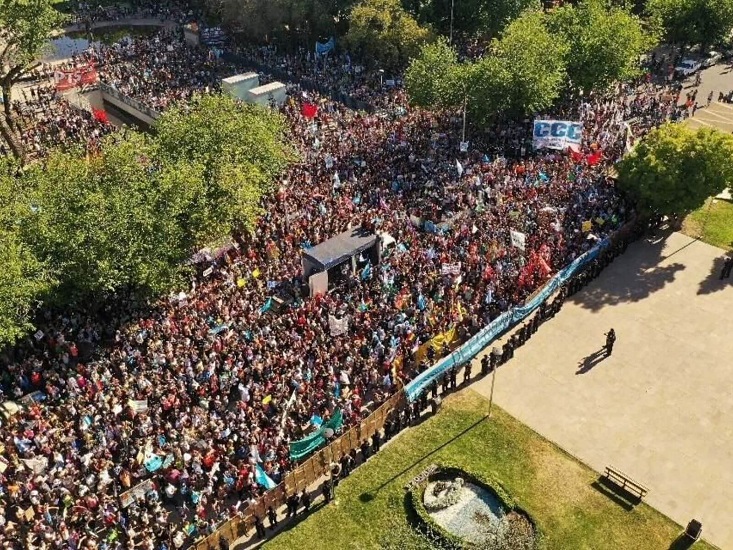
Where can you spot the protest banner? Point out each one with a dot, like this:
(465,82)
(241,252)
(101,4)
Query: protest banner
(557,134)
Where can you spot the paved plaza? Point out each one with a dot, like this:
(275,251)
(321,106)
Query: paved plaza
(660,409)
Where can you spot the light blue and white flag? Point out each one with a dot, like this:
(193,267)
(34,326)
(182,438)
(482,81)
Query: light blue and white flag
(263,479)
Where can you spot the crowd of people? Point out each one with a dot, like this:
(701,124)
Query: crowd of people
(46,121)
(183,402)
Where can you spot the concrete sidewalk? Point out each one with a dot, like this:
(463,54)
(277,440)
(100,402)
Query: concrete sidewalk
(659,409)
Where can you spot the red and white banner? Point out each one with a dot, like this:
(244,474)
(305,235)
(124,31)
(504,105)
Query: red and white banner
(84,75)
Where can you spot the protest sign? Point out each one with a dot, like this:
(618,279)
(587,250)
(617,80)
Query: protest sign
(451,269)
(140,406)
(518,240)
(138,491)
(338,326)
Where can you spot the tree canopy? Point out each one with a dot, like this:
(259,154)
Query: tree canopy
(529,65)
(240,148)
(433,77)
(605,43)
(473,18)
(23,279)
(522,73)
(690,22)
(674,169)
(130,215)
(382,32)
(289,22)
(25,27)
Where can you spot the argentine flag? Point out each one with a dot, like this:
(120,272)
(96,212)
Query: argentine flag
(263,479)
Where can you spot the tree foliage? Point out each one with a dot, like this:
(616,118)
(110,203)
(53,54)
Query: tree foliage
(526,68)
(23,279)
(605,43)
(690,22)
(289,22)
(522,73)
(129,216)
(383,33)
(113,222)
(241,149)
(433,78)
(25,27)
(473,18)
(675,169)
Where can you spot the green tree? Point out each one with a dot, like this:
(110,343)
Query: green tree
(25,27)
(690,22)
(241,148)
(115,221)
(674,169)
(433,78)
(23,279)
(526,68)
(606,43)
(473,18)
(384,34)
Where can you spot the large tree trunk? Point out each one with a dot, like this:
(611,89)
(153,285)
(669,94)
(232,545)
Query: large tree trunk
(11,138)
(6,124)
(7,100)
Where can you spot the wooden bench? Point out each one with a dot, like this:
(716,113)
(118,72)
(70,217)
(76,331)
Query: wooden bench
(624,482)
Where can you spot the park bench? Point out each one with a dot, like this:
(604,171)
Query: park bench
(624,482)
(694,530)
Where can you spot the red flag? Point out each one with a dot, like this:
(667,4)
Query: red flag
(595,158)
(309,110)
(575,155)
(100,115)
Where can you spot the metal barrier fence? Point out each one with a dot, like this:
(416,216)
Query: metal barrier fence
(310,471)
(135,104)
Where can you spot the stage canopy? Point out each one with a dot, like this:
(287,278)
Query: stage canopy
(337,250)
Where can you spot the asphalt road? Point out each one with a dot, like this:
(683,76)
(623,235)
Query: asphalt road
(716,79)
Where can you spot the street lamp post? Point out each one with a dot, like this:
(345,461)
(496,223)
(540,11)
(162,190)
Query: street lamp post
(465,101)
(452,5)
(496,352)
(381,78)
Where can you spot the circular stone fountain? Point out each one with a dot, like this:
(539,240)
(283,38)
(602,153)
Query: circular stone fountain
(472,511)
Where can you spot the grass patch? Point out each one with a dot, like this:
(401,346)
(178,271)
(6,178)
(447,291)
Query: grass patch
(715,227)
(551,486)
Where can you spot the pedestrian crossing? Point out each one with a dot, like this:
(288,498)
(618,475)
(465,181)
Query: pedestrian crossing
(717,115)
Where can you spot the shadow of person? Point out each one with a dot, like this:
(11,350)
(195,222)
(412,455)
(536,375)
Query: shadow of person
(591,361)
(713,283)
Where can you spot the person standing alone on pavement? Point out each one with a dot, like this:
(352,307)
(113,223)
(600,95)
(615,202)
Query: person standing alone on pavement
(610,339)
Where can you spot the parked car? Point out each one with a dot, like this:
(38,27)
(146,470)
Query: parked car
(711,59)
(687,67)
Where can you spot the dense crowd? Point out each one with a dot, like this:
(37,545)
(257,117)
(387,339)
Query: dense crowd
(88,13)
(159,70)
(196,391)
(46,121)
(331,74)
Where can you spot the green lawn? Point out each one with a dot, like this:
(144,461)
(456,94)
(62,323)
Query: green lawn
(369,510)
(718,229)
